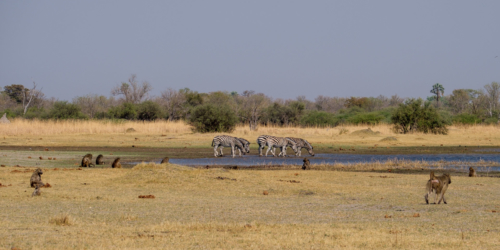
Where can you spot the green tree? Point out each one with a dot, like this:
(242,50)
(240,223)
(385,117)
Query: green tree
(65,110)
(414,116)
(207,118)
(438,90)
(16,92)
(149,111)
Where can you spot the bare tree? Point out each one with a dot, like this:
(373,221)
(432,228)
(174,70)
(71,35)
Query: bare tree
(6,102)
(329,104)
(132,91)
(459,101)
(91,104)
(173,101)
(493,93)
(395,100)
(28,97)
(253,106)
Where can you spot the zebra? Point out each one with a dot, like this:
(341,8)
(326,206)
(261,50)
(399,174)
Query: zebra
(274,142)
(301,143)
(227,141)
(246,145)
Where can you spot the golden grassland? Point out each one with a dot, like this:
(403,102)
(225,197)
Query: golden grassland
(195,209)
(178,134)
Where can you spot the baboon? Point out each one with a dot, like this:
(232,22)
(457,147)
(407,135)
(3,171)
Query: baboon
(438,184)
(306,164)
(99,161)
(37,191)
(472,172)
(116,163)
(36,178)
(165,160)
(87,161)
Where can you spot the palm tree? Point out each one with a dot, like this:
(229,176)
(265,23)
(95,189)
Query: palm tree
(438,90)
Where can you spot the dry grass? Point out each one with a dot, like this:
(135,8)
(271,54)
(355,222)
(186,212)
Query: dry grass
(194,209)
(178,134)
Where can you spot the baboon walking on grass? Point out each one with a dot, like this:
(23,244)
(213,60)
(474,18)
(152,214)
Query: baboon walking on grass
(472,172)
(99,161)
(438,184)
(36,178)
(116,163)
(306,164)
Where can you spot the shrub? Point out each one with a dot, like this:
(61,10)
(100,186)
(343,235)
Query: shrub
(210,118)
(65,110)
(149,111)
(125,111)
(370,118)
(413,116)
(467,119)
(318,118)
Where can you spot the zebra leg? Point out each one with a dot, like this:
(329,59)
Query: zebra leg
(232,151)
(215,150)
(269,148)
(283,150)
(221,152)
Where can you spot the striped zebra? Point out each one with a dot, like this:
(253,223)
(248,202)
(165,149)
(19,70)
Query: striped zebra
(274,142)
(227,141)
(246,145)
(301,143)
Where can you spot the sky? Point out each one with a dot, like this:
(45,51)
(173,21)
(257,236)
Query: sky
(284,49)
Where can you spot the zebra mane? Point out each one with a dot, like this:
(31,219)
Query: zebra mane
(308,144)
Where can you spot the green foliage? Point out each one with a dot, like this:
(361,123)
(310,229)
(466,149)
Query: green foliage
(125,111)
(467,119)
(491,120)
(36,113)
(149,111)
(284,114)
(65,110)
(413,116)
(208,118)
(15,92)
(318,118)
(369,118)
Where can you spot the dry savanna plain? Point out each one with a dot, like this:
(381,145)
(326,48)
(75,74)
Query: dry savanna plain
(372,205)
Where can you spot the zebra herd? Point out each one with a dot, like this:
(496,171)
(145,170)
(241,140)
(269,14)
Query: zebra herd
(272,142)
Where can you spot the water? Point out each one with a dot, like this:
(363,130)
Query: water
(253,160)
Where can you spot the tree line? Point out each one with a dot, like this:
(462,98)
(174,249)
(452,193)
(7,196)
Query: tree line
(220,111)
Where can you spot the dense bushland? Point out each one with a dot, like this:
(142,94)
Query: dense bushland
(132,101)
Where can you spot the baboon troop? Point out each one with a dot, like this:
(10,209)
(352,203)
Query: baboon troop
(439,184)
(99,161)
(87,161)
(306,164)
(165,160)
(116,163)
(472,172)
(36,178)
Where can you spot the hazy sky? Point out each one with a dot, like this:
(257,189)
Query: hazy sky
(281,48)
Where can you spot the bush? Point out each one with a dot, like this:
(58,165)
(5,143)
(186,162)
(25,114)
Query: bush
(65,110)
(413,116)
(149,111)
(370,118)
(466,119)
(318,118)
(125,111)
(210,118)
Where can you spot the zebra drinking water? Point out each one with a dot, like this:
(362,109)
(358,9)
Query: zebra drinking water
(301,143)
(227,141)
(274,142)
(246,145)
